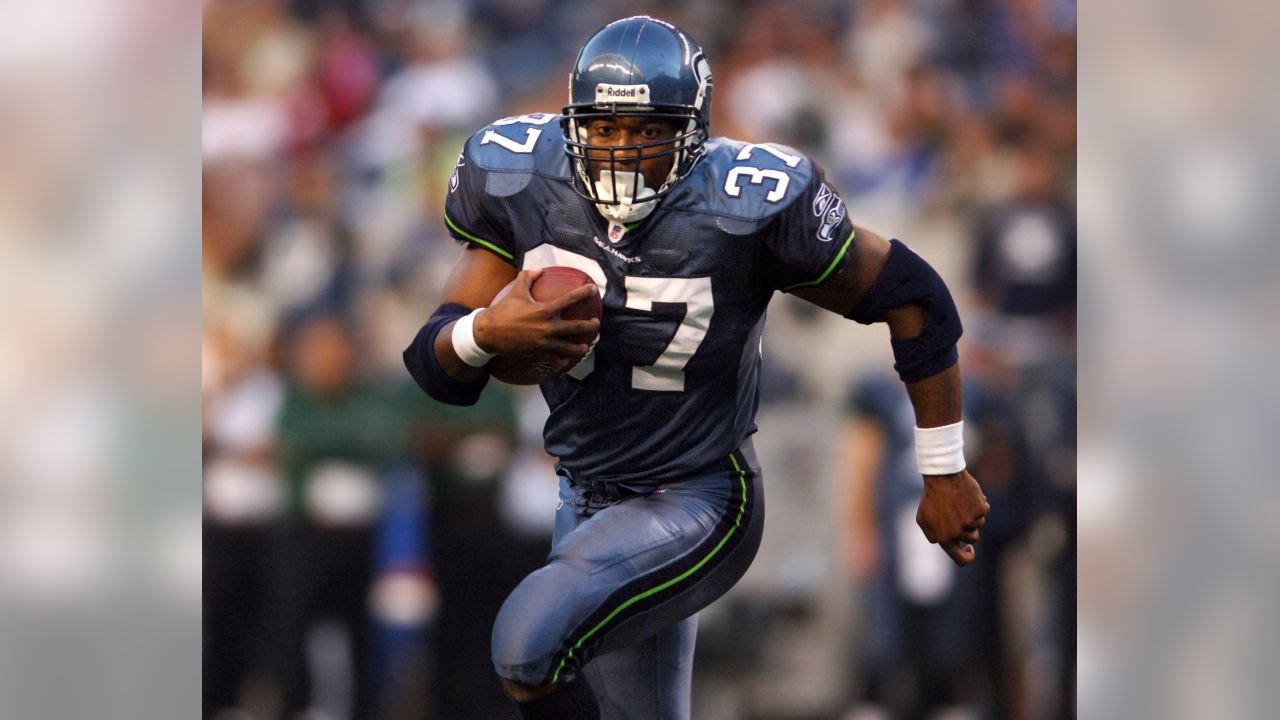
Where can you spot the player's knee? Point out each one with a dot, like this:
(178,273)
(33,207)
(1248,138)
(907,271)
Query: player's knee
(532,625)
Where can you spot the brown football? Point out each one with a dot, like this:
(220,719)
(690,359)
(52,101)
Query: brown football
(552,283)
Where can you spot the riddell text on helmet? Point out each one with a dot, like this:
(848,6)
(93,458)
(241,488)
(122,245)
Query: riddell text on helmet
(606,92)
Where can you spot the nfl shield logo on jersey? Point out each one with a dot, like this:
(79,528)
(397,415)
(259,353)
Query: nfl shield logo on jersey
(616,231)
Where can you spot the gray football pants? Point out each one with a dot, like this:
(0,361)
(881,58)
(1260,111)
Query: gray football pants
(617,598)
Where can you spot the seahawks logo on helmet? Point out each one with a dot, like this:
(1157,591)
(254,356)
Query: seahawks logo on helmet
(702,72)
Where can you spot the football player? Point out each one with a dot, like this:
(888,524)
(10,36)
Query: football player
(687,237)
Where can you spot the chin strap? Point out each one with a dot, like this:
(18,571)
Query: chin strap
(632,204)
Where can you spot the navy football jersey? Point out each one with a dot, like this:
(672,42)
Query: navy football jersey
(672,385)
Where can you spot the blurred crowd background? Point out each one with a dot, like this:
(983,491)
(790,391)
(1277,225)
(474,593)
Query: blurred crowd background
(359,538)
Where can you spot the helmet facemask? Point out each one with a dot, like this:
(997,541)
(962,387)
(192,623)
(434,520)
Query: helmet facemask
(610,175)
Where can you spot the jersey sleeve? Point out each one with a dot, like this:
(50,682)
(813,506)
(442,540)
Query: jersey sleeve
(808,241)
(472,214)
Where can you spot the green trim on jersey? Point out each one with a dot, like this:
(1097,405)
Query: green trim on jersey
(475,239)
(737,522)
(823,277)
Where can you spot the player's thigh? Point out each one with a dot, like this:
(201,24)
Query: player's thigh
(627,572)
(536,634)
(665,556)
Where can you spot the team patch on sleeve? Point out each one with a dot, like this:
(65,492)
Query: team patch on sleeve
(829,209)
(453,178)
(810,240)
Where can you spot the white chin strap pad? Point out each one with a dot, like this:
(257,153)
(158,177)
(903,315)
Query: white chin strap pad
(632,194)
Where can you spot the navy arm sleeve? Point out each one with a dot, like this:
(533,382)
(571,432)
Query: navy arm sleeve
(422,364)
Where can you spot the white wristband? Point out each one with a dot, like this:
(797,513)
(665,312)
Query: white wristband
(464,342)
(940,450)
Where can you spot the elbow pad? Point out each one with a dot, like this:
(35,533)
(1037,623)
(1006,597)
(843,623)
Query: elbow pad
(907,279)
(420,359)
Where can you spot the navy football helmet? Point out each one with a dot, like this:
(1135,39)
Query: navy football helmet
(638,66)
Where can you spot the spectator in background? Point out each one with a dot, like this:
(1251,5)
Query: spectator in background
(1045,404)
(306,256)
(243,498)
(1024,273)
(258,62)
(338,435)
(928,643)
(476,561)
(1024,268)
(441,86)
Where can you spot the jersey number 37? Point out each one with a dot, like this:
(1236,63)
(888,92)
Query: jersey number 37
(667,373)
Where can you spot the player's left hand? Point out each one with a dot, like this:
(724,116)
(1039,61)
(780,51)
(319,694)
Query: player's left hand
(952,510)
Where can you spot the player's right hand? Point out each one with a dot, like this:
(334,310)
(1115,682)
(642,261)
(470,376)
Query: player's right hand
(515,324)
(952,511)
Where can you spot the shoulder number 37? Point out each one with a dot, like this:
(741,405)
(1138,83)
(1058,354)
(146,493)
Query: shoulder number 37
(757,176)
